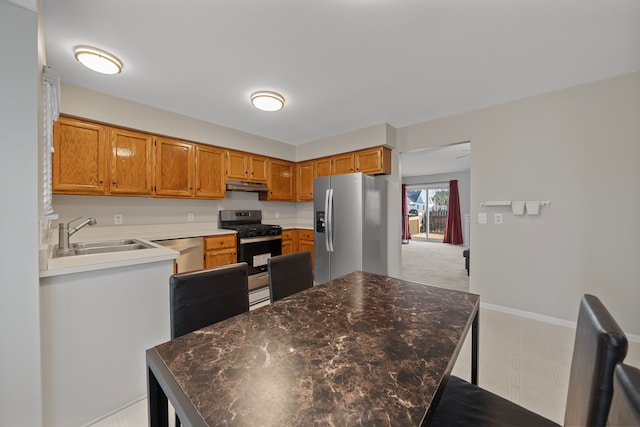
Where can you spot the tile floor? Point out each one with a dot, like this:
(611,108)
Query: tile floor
(524,360)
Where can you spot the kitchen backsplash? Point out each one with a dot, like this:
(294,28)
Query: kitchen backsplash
(142,210)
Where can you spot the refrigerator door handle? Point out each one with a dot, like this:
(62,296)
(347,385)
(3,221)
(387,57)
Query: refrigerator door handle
(329,214)
(326,219)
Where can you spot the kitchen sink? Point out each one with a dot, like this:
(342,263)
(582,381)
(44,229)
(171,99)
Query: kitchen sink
(102,247)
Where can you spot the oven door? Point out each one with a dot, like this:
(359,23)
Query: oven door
(255,251)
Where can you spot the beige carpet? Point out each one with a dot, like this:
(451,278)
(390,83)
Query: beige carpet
(437,264)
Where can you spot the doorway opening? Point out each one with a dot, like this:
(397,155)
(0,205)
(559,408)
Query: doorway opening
(428,205)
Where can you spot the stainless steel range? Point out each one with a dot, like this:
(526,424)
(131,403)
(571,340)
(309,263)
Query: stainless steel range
(257,243)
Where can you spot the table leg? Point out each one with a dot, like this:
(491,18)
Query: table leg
(474,348)
(157,402)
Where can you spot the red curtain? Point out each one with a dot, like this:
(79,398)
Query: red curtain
(453,229)
(405,216)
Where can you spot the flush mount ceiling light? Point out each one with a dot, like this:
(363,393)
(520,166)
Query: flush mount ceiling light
(98,60)
(267,101)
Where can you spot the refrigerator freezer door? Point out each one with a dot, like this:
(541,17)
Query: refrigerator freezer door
(322,260)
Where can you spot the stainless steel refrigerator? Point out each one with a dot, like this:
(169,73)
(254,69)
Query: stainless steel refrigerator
(350,213)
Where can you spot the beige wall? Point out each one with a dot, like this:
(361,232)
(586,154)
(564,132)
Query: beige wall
(20,388)
(578,148)
(381,134)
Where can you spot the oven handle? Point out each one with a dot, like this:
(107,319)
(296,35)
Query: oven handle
(245,240)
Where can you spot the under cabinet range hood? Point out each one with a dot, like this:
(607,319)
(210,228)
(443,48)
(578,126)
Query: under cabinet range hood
(258,187)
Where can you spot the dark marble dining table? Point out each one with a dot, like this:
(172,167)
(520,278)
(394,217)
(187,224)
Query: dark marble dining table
(362,349)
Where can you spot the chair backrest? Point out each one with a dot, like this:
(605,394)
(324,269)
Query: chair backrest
(599,346)
(625,405)
(289,274)
(201,298)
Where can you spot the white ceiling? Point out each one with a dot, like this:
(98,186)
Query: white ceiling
(341,64)
(446,159)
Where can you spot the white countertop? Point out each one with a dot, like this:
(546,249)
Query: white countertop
(146,233)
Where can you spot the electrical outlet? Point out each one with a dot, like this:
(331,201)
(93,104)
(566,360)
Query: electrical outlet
(190,217)
(117,219)
(497,219)
(277,214)
(482,218)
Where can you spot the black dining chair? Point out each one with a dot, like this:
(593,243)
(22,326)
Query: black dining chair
(201,298)
(289,274)
(625,405)
(599,345)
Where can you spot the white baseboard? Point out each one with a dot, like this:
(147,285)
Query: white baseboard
(543,318)
(115,411)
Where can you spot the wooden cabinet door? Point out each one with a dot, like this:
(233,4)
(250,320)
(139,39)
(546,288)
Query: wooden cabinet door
(287,242)
(174,168)
(258,168)
(373,161)
(304,181)
(342,163)
(305,242)
(237,165)
(281,180)
(79,162)
(131,160)
(219,258)
(322,167)
(209,172)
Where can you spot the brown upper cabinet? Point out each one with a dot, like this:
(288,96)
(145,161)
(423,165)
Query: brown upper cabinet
(342,163)
(281,181)
(304,181)
(237,165)
(209,172)
(79,160)
(258,168)
(131,161)
(174,168)
(179,164)
(95,158)
(246,167)
(322,167)
(373,161)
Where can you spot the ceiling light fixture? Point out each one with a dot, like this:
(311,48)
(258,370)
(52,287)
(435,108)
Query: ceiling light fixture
(267,101)
(98,60)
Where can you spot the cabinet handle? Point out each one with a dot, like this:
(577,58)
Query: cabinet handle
(114,183)
(100,182)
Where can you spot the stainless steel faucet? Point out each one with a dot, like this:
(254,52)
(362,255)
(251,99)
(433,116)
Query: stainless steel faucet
(64,233)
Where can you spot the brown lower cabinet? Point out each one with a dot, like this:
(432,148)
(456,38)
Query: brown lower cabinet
(287,242)
(220,250)
(297,240)
(305,242)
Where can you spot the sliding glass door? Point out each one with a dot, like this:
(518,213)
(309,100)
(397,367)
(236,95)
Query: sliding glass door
(437,213)
(427,208)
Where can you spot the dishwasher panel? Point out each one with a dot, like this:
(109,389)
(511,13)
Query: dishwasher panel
(191,253)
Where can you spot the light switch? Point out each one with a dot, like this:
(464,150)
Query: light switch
(497,219)
(482,218)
